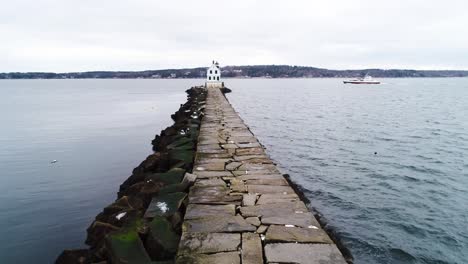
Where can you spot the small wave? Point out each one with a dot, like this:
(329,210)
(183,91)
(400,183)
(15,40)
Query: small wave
(409,228)
(384,139)
(402,255)
(410,179)
(421,169)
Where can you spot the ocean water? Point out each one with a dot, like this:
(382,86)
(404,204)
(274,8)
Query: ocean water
(406,204)
(97,130)
(386,165)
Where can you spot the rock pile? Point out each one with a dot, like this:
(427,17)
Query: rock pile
(144,224)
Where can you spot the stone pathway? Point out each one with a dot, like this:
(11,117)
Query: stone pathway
(241,209)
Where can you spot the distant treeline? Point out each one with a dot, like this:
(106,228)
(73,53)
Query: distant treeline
(265,71)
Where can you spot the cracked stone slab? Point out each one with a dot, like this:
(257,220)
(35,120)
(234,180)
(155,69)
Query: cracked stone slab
(261,229)
(217,199)
(233,165)
(258,161)
(311,234)
(198,190)
(278,182)
(247,139)
(241,134)
(268,210)
(276,198)
(203,156)
(218,258)
(249,199)
(211,151)
(249,145)
(216,194)
(247,177)
(263,189)
(209,174)
(201,160)
(238,186)
(249,151)
(207,140)
(302,220)
(252,251)
(251,157)
(201,148)
(229,146)
(210,182)
(258,167)
(254,172)
(219,224)
(193,243)
(195,211)
(253,220)
(212,166)
(303,253)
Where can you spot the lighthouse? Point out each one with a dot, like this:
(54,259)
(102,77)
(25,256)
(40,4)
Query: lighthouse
(213,76)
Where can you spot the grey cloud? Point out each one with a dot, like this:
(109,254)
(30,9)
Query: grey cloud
(66,35)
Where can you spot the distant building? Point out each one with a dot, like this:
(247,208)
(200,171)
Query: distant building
(213,76)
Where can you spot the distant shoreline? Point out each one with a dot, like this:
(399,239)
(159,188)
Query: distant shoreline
(227,78)
(241,72)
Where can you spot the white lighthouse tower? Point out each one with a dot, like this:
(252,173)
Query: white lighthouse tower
(213,76)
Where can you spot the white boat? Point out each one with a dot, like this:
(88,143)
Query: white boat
(366,80)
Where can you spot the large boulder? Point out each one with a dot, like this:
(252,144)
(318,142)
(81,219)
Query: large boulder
(73,256)
(149,164)
(170,177)
(125,246)
(162,241)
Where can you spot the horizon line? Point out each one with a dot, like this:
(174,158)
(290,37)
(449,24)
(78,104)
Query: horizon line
(251,65)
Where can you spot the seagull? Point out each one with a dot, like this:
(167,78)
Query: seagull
(54,161)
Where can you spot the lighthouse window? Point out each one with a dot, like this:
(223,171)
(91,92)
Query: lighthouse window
(217,78)
(211,71)
(216,72)
(209,78)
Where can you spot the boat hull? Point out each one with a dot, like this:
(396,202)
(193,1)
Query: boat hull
(361,82)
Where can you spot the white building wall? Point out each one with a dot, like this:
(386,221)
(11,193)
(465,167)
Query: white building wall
(213,76)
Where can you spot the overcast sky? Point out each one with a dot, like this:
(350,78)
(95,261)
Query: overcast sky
(80,35)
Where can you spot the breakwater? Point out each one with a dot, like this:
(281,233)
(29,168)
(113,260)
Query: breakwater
(241,209)
(209,194)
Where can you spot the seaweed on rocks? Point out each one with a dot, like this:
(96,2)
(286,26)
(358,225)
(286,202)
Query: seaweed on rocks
(144,224)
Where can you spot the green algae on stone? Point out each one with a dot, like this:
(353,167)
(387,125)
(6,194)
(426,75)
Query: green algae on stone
(173,188)
(180,164)
(181,155)
(125,245)
(170,177)
(183,143)
(165,204)
(194,131)
(162,241)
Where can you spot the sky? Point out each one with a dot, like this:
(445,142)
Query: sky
(85,35)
